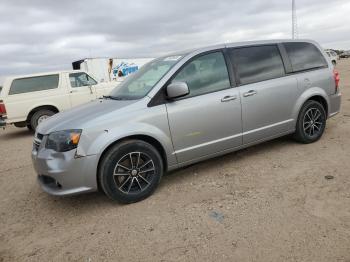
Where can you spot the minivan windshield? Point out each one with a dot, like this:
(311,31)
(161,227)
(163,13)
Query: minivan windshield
(137,85)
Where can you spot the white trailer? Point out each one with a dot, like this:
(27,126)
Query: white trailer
(110,69)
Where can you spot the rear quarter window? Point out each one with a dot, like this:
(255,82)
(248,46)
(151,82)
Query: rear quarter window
(32,84)
(304,56)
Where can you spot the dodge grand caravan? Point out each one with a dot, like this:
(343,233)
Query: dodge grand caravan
(184,108)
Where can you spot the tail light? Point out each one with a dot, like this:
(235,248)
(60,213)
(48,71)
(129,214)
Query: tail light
(336,79)
(2,108)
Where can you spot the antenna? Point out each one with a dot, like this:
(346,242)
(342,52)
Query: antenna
(294,21)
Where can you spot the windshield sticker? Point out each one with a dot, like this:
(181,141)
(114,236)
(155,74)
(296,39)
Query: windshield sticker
(172,58)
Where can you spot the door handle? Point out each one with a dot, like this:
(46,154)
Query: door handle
(250,93)
(228,98)
(73,91)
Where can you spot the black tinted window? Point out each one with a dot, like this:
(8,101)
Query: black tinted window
(257,63)
(31,84)
(205,74)
(304,56)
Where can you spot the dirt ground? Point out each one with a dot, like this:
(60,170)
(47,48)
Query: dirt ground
(270,202)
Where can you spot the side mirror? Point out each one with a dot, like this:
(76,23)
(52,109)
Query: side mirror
(90,87)
(177,89)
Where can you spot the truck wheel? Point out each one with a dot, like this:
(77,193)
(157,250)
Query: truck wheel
(130,171)
(311,122)
(39,117)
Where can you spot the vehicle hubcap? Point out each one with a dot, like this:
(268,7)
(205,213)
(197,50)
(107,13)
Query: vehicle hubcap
(313,122)
(134,172)
(42,118)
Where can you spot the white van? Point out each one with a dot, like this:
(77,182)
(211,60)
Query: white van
(104,71)
(27,100)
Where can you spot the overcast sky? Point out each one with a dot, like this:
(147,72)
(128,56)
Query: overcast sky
(46,35)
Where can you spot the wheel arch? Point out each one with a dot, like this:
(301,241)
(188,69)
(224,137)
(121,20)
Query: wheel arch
(316,94)
(37,108)
(321,100)
(146,138)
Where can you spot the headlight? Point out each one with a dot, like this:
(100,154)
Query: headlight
(63,141)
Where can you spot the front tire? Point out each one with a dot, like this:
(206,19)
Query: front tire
(130,171)
(311,122)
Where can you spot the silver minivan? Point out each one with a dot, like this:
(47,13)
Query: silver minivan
(184,108)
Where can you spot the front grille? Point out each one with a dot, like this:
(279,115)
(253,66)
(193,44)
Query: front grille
(37,141)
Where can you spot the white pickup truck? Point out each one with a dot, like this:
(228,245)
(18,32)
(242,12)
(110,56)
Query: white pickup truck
(27,100)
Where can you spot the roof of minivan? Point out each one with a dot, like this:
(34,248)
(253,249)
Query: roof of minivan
(238,44)
(275,41)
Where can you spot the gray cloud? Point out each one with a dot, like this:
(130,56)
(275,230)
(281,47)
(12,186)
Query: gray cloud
(40,35)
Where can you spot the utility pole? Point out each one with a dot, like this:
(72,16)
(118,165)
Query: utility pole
(294,21)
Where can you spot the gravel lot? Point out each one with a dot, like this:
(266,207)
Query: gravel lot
(270,202)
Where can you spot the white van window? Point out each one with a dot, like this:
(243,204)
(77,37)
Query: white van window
(32,84)
(81,79)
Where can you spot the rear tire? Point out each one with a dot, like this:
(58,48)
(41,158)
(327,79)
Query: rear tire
(40,116)
(311,122)
(130,171)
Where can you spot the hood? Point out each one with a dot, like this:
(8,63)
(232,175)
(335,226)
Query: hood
(78,117)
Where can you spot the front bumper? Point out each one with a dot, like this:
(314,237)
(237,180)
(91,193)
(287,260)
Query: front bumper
(62,174)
